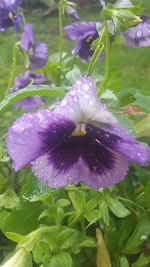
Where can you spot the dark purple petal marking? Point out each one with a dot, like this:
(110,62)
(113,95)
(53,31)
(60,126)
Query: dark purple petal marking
(128,147)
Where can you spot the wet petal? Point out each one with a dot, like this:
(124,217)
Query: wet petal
(77,30)
(82,104)
(39,55)
(97,170)
(121,142)
(27,37)
(138,35)
(23,141)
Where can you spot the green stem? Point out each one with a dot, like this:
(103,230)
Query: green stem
(107,66)
(95,55)
(60,34)
(13,72)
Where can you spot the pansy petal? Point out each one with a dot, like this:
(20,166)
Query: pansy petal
(23,141)
(39,55)
(10,4)
(36,77)
(80,172)
(121,142)
(29,103)
(138,35)
(82,104)
(27,37)
(82,47)
(76,30)
(71,159)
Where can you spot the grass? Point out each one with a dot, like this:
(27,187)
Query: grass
(132,65)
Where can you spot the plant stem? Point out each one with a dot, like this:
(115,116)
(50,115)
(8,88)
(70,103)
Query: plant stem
(60,35)
(95,54)
(13,72)
(107,66)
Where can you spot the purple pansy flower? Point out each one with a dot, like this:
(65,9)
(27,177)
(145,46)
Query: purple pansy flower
(38,51)
(8,16)
(79,141)
(21,82)
(85,33)
(138,35)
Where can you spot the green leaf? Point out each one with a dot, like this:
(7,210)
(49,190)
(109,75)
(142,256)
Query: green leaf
(64,259)
(42,90)
(15,237)
(93,215)
(68,238)
(78,200)
(126,96)
(141,261)
(139,235)
(74,74)
(62,202)
(117,208)
(24,219)
(142,128)
(9,199)
(143,102)
(147,193)
(34,189)
(124,262)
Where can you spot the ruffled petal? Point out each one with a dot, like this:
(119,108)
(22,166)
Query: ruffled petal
(27,37)
(76,30)
(39,55)
(82,104)
(119,140)
(23,141)
(79,172)
(138,35)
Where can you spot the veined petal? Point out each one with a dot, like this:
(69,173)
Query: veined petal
(87,169)
(76,30)
(39,55)
(119,140)
(27,37)
(23,140)
(82,104)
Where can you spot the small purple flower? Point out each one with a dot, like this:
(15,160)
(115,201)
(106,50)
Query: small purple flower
(72,12)
(139,35)
(79,141)
(38,51)
(8,16)
(85,33)
(21,82)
